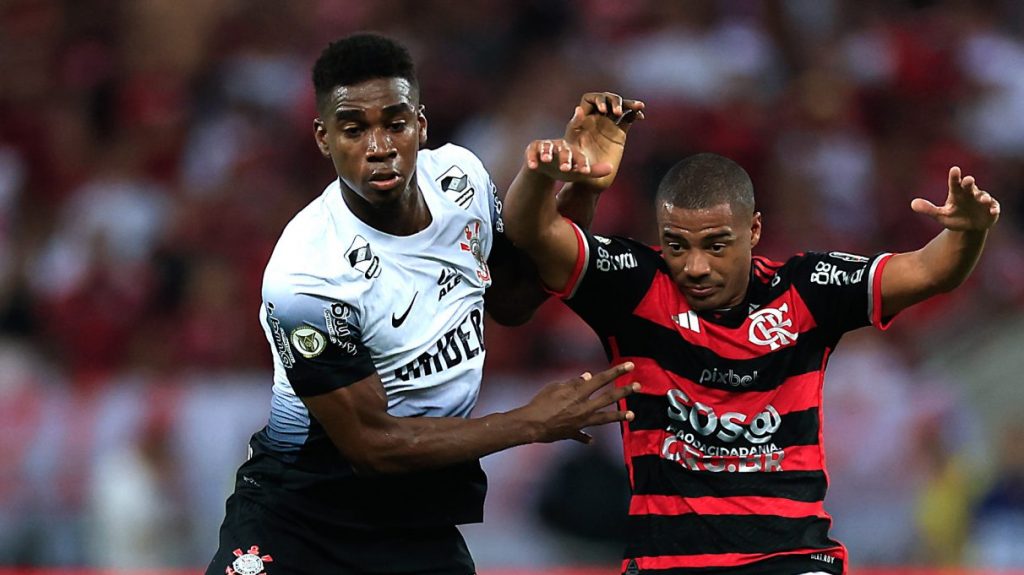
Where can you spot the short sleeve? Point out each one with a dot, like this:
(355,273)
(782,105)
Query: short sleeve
(841,290)
(496,222)
(611,276)
(317,341)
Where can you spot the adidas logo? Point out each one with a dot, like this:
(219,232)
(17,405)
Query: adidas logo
(688,320)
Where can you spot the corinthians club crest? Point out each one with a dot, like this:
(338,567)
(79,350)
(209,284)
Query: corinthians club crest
(474,245)
(248,563)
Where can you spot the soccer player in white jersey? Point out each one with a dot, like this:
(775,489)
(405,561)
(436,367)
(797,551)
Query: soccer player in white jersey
(373,304)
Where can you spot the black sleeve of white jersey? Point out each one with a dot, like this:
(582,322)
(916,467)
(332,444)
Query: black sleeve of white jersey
(612,275)
(318,342)
(841,290)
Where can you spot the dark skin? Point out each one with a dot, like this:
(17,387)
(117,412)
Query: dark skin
(708,251)
(372,132)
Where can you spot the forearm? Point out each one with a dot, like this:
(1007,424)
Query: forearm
(531,210)
(578,202)
(940,266)
(949,258)
(406,444)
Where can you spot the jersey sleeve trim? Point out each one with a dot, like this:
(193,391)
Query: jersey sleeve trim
(875,293)
(579,269)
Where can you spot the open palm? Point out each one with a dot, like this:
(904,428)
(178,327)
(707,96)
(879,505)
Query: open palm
(967,207)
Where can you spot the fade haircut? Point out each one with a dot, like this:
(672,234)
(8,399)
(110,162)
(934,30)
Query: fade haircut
(358,58)
(706,180)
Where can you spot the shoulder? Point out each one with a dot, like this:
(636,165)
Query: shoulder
(827,268)
(457,175)
(820,276)
(449,163)
(312,255)
(630,251)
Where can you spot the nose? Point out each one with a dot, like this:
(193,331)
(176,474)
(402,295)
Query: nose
(696,264)
(379,145)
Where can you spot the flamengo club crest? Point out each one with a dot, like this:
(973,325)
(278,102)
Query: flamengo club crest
(249,563)
(768,327)
(473,245)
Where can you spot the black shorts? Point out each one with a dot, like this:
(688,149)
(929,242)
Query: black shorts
(259,536)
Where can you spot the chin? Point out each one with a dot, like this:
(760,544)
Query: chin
(702,305)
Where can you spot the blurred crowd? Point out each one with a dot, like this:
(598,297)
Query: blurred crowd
(151,151)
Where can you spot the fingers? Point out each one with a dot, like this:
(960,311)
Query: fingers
(576,121)
(606,417)
(583,437)
(923,206)
(605,103)
(601,379)
(613,396)
(961,186)
(619,109)
(567,157)
(565,160)
(538,152)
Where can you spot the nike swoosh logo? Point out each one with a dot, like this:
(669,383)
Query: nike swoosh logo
(397,321)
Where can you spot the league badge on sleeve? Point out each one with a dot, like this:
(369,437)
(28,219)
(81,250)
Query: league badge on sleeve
(308,341)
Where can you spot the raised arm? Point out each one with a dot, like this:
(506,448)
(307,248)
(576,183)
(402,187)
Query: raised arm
(357,422)
(946,261)
(598,129)
(533,222)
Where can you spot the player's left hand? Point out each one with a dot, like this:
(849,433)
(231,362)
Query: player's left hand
(599,125)
(561,160)
(967,207)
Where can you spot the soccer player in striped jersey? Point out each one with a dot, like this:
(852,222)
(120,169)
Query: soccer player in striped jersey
(373,304)
(725,455)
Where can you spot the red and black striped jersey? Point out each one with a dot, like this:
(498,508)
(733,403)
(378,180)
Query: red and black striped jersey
(725,454)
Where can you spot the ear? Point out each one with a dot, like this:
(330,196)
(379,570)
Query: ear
(755,229)
(320,135)
(422,120)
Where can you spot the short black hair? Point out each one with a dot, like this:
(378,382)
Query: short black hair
(707,180)
(358,58)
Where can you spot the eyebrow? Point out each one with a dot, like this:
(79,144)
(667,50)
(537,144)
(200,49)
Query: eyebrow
(359,113)
(714,236)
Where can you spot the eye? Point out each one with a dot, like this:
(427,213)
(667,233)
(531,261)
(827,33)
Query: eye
(717,248)
(675,246)
(352,131)
(397,126)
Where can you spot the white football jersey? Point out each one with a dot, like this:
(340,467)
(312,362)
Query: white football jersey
(342,299)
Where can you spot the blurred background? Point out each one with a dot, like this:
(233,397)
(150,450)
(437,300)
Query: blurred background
(151,152)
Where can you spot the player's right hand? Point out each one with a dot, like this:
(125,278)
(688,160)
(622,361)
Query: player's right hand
(561,410)
(598,127)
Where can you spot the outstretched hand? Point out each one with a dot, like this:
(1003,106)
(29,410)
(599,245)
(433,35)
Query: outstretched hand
(560,160)
(598,127)
(967,207)
(561,410)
